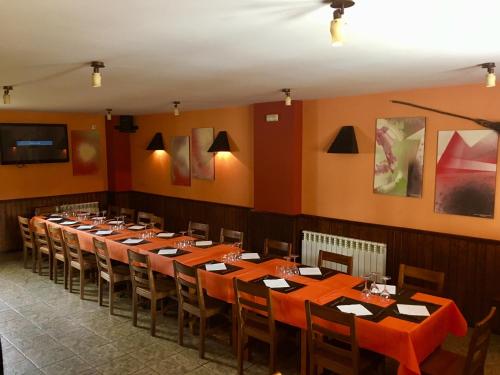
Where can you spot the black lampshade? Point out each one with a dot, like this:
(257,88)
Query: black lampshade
(156,143)
(345,142)
(221,143)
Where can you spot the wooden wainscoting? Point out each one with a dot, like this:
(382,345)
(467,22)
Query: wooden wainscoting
(10,238)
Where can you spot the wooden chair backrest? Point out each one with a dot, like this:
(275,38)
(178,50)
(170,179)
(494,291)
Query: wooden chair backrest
(46,210)
(198,230)
(129,213)
(141,273)
(326,256)
(189,290)
(478,346)
(25,228)
(41,234)
(144,217)
(230,236)
(72,246)
(102,257)
(158,222)
(56,240)
(253,304)
(279,248)
(434,278)
(332,344)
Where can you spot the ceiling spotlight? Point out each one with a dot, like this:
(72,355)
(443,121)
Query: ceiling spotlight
(490,75)
(6,94)
(108,114)
(337,24)
(288,97)
(176,108)
(96,74)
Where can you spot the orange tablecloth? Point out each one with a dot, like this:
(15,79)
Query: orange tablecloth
(407,342)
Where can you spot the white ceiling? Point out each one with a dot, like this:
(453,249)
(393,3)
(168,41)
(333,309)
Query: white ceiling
(218,53)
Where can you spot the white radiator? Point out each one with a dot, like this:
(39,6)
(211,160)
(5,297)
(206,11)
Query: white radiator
(367,256)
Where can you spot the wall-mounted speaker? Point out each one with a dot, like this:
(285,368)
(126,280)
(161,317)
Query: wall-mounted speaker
(126,125)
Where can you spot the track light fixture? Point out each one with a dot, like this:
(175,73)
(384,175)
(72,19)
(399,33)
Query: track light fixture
(176,108)
(6,94)
(288,96)
(108,114)
(96,74)
(337,24)
(490,75)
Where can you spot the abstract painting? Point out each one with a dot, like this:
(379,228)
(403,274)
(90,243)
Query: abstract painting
(180,170)
(399,156)
(85,152)
(466,172)
(202,161)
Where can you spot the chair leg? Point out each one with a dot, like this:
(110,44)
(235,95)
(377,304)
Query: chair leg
(241,343)
(33,259)
(25,256)
(153,317)
(39,262)
(66,276)
(134,307)
(82,283)
(99,290)
(203,322)
(111,287)
(54,270)
(51,273)
(180,320)
(272,357)
(70,277)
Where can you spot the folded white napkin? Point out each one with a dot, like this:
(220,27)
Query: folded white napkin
(390,288)
(276,283)
(356,309)
(137,227)
(103,232)
(84,227)
(215,267)
(167,252)
(54,218)
(132,241)
(165,235)
(112,222)
(310,271)
(415,310)
(203,243)
(68,222)
(247,256)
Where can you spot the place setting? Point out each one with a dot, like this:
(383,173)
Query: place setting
(167,235)
(220,268)
(170,252)
(133,241)
(279,284)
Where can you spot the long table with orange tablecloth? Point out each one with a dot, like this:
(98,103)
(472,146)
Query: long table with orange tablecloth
(405,341)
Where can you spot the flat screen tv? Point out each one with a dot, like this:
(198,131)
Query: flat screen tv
(33,143)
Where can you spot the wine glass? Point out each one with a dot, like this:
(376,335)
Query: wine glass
(385,293)
(294,260)
(366,291)
(373,287)
(183,232)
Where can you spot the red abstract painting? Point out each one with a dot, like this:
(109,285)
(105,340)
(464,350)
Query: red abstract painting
(85,152)
(466,172)
(180,167)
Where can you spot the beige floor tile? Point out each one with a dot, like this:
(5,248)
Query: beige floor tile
(72,365)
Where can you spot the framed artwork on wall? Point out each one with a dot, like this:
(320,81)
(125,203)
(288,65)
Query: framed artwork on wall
(399,156)
(180,169)
(85,152)
(201,160)
(466,172)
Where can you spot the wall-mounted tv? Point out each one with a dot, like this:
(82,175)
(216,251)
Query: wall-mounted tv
(33,143)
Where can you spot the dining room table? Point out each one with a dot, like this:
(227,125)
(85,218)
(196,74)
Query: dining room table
(405,338)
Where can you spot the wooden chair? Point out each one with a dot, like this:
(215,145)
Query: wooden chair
(28,242)
(83,262)
(337,351)
(129,213)
(144,218)
(230,236)
(43,248)
(198,230)
(344,260)
(158,222)
(145,284)
(443,362)
(255,319)
(191,299)
(421,275)
(278,248)
(114,275)
(46,210)
(58,252)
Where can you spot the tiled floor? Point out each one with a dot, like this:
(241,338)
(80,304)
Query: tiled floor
(47,330)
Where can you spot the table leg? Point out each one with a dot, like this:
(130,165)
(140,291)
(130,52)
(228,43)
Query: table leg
(303,352)
(234,330)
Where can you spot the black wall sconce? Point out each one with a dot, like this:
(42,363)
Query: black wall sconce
(221,143)
(345,142)
(156,143)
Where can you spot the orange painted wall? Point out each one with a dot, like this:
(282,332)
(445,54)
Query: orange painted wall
(39,180)
(233,182)
(340,186)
